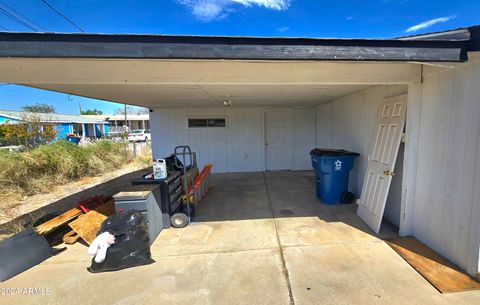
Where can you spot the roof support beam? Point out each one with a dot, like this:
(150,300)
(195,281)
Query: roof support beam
(37,72)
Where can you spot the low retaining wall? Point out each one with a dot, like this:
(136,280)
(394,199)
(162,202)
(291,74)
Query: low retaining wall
(107,188)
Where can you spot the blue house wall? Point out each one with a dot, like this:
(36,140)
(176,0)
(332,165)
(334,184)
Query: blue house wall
(98,131)
(62,130)
(5,119)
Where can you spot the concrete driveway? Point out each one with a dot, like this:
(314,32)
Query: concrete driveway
(258,239)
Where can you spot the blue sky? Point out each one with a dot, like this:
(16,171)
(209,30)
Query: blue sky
(290,18)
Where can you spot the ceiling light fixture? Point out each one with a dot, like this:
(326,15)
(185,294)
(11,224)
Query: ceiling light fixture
(227,102)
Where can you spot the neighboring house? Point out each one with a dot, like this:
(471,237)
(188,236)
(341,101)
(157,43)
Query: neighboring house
(116,122)
(261,104)
(64,123)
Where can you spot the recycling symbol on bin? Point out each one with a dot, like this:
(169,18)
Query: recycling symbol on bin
(338,165)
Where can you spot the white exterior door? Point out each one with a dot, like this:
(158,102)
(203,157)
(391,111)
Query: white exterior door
(278,140)
(382,161)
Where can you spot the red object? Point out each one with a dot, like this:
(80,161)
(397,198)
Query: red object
(92,203)
(203,174)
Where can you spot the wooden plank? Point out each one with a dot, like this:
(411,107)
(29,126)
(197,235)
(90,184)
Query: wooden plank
(69,215)
(71,237)
(434,268)
(87,226)
(59,221)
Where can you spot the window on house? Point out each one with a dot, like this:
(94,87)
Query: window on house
(206,122)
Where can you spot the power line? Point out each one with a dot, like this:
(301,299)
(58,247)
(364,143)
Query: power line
(3,28)
(64,16)
(20,16)
(8,14)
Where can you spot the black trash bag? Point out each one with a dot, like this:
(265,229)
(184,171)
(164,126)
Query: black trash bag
(175,165)
(131,247)
(21,252)
(172,163)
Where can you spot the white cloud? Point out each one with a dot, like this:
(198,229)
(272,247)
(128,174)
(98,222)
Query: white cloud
(207,10)
(428,23)
(283,29)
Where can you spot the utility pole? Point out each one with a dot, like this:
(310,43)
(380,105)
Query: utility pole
(125,129)
(126,122)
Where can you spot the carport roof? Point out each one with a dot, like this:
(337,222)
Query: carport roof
(51,117)
(442,48)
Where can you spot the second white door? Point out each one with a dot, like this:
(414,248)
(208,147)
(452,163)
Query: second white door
(382,161)
(278,140)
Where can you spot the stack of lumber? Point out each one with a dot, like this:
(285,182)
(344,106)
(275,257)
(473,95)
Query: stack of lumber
(84,220)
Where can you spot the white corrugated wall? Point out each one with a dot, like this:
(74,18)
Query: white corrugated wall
(447,200)
(237,148)
(446,207)
(350,123)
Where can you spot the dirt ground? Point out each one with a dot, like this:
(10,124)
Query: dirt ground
(11,208)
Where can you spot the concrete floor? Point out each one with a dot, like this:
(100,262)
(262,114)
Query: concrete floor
(258,239)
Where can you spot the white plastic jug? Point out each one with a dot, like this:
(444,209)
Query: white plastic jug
(159,169)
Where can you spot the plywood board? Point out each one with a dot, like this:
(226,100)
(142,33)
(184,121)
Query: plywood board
(432,266)
(59,221)
(88,225)
(71,237)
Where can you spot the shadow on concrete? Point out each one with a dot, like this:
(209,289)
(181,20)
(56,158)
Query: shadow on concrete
(284,194)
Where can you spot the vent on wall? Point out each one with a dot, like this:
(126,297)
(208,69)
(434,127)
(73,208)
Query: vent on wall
(206,122)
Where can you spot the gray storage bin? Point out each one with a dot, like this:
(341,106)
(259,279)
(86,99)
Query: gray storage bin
(143,198)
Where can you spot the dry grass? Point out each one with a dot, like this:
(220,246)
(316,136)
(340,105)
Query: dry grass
(15,226)
(41,169)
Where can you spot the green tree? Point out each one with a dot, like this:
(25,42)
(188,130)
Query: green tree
(31,132)
(132,110)
(39,108)
(91,112)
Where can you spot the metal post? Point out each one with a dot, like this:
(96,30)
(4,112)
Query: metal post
(83,131)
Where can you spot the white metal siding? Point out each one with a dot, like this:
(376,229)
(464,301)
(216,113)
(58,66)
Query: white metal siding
(324,125)
(394,200)
(447,201)
(353,125)
(245,141)
(238,148)
(304,137)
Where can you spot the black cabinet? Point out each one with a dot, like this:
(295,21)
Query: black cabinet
(169,195)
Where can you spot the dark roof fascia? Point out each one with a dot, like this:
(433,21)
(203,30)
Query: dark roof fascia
(63,45)
(475,38)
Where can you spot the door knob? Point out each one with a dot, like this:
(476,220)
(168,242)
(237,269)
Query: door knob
(388,173)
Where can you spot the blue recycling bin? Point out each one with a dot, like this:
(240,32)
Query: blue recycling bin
(332,169)
(73,139)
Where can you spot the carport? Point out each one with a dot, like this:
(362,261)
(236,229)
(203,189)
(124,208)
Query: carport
(319,93)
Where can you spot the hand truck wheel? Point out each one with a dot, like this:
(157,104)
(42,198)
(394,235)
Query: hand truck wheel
(179,220)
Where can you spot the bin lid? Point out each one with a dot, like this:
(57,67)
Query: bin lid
(135,192)
(327,152)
